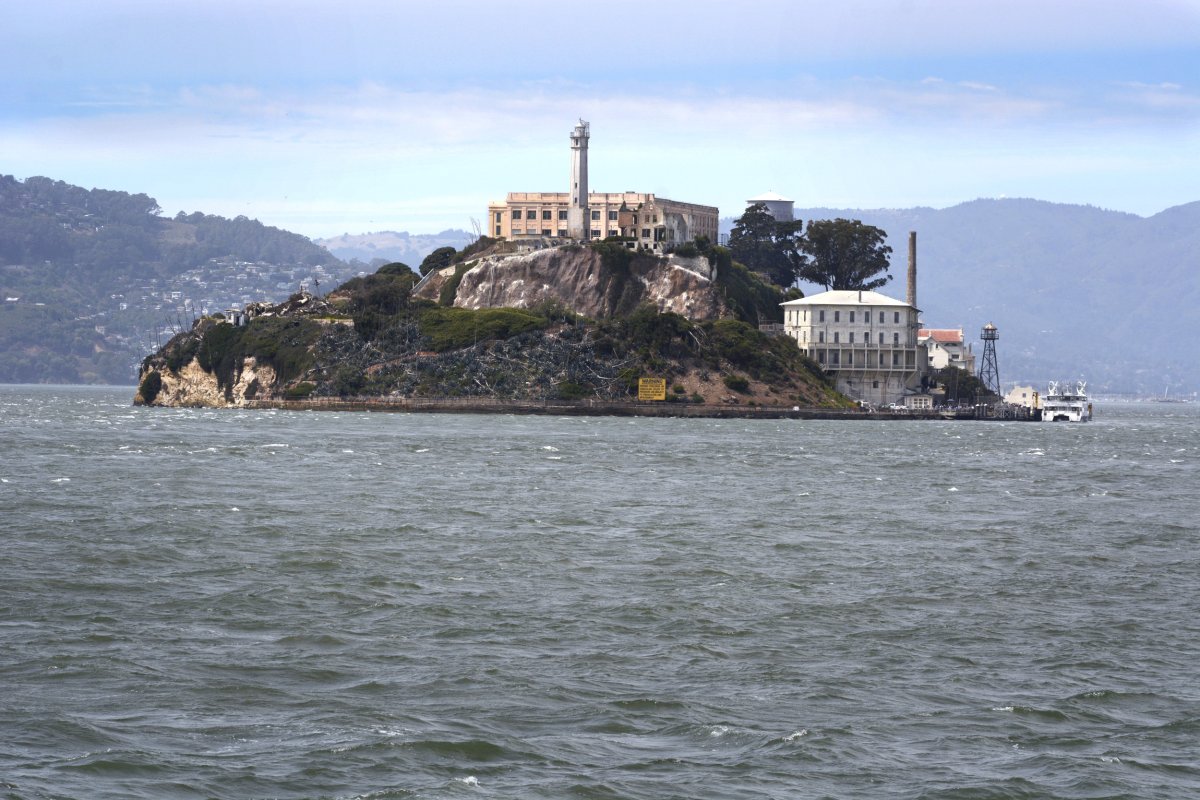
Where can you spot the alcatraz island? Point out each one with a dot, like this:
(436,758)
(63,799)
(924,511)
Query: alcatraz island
(584,302)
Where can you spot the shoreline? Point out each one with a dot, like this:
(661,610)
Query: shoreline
(597,408)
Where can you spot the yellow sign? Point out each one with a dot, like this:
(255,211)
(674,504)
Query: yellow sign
(652,389)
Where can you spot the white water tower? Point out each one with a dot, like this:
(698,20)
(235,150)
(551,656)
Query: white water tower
(777,205)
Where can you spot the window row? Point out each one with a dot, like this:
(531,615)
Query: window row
(865,316)
(866,337)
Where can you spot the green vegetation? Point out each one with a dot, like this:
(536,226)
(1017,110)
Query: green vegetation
(283,343)
(737,383)
(845,254)
(450,287)
(150,386)
(766,245)
(438,259)
(452,328)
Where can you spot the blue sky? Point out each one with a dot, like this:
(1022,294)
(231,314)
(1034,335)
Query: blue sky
(375,116)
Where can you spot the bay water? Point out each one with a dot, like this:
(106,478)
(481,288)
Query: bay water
(268,604)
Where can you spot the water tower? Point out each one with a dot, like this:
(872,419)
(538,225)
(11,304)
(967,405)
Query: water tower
(989,373)
(777,205)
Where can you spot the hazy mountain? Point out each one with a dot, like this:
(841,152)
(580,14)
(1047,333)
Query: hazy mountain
(90,278)
(390,246)
(1075,291)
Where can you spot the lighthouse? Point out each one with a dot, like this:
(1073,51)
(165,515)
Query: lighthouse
(578,224)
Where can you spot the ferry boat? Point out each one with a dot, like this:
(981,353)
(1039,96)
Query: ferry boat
(1066,401)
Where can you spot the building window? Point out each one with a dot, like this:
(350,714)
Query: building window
(612,216)
(881,341)
(881,359)
(497,231)
(562,233)
(897,319)
(562,215)
(545,231)
(850,357)
(595,213)
(874,384)
(895,359)
(595,233)
(516,213)
(499,214)
(645,233)
(546,214)
(821,337)
(837,316)
(821,315)
(851,332)
(834,357)
(895,338)
(852,320)
(880,317)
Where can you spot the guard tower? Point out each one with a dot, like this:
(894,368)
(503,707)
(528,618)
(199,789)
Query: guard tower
(989,373)
(578,224)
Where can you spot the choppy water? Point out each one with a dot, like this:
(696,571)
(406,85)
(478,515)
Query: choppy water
(267,604)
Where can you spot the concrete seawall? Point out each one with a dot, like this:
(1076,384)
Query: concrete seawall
(596,408)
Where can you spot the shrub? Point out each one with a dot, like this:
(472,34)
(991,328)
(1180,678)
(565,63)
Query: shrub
(450,288)
(438,259)
(454,328)
(571,390)
(737,383)
(150,386)
(299,391)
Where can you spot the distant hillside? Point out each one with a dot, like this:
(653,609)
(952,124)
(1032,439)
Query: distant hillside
(89,277)
(389,246)
(1076,291)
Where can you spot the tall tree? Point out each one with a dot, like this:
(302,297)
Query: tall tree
(767,245)
(845,254)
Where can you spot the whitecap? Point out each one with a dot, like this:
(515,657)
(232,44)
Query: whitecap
(953,489)
(1110,759)
(61,480)
(554,458)
(470,780)
(235,508)
(348,451)
(718,731)
(1002,708)
(796,736)
(551,448)
(265,446)
(422,450)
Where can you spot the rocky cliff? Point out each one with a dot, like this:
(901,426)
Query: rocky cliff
(595,282)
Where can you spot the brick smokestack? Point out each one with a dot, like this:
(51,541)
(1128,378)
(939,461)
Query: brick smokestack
(911,298)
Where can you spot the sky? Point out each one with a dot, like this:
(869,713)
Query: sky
(353,117)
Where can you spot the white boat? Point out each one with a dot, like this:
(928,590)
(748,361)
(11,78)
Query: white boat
(1066,401)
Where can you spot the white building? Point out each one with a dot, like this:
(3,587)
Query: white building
(865,340)
(946,348)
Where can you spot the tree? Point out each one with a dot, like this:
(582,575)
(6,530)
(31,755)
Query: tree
(845,254)
(438,259)
(767,245)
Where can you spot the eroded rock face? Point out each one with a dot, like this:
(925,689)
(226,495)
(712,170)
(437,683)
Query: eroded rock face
(193,387)
(576,278)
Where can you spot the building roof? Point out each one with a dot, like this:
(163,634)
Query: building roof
(770,197)
(841,297)
(942,335)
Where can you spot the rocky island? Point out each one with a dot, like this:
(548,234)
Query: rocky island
(500,327)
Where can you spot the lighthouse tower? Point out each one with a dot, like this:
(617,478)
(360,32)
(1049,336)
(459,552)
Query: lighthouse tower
(578,224)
